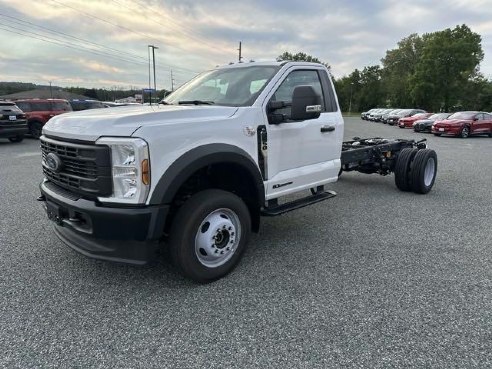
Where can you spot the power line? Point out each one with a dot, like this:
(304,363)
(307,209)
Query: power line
(119,26)
(62,41)
(45,38)
(21,22)
(170,20)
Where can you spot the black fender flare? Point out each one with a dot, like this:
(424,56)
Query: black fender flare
(200,157)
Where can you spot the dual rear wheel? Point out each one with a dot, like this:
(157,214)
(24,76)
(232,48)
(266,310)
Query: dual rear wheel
(416,170)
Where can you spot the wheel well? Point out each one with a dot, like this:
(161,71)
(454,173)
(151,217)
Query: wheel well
(230,177)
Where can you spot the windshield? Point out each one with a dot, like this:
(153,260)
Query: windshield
(463,115)
(403,113)
(229,87)
(439,116)
(10,107)
(420,115)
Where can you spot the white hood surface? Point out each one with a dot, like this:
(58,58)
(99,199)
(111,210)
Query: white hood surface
(89,125)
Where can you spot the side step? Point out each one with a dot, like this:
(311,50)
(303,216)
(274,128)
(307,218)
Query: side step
(274,210)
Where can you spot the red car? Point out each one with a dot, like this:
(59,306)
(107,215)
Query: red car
(408,121)
(39,111)
(464,124)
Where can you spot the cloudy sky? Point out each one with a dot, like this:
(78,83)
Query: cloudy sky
(93,43)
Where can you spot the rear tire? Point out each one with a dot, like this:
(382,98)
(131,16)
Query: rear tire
(209,235)
(35,128)
(402,169)
(16,138)
(437,134)
(424,171)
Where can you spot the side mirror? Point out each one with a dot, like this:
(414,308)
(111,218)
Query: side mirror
(306,103)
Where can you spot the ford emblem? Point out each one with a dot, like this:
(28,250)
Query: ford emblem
(53,162)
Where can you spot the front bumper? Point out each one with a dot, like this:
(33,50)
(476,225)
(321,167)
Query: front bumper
(13,130)
(121,234)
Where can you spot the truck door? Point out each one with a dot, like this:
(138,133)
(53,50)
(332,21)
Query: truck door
(303,154)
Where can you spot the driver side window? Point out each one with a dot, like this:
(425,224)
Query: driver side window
(294,79)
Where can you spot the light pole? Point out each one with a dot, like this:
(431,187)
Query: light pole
(153,47)
(51,91)
(350,101)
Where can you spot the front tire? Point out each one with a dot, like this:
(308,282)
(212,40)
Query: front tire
(35,129)
(465,132)
(209,235)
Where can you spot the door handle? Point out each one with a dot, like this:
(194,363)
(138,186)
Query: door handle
(327,128)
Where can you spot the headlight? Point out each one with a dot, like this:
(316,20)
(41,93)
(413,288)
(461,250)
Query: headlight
(130,169)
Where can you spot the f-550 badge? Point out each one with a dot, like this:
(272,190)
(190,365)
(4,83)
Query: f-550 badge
(249,130)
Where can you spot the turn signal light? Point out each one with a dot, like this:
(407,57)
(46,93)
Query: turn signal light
(145,172)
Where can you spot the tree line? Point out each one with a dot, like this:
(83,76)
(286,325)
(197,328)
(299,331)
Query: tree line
(437,71)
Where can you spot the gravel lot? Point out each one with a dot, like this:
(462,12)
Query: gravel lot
(372,278)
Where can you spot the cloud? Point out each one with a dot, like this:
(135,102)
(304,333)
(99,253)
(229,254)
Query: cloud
(195,36)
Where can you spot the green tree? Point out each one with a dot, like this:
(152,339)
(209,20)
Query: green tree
(399,66)
(449,62)
(300,56)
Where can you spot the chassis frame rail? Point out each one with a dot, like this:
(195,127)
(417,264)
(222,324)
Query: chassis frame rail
(375,155)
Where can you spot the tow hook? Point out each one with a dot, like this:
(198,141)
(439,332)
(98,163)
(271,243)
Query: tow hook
(41,198)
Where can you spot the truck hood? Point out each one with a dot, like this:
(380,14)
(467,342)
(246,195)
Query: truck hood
(89,125)
(451,122)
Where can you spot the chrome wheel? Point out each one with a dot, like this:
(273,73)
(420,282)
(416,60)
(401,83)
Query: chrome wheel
(429,171)
(217,238)
(465,132)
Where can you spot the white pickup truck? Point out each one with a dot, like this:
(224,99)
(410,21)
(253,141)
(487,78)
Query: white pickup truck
(196,172)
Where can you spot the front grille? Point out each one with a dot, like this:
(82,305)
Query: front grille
(9,123)
(85,170)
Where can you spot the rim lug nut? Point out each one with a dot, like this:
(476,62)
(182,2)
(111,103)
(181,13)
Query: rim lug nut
(216,251)
(221,252)
(230,228)
(231,241)
(228,248)
(213,246)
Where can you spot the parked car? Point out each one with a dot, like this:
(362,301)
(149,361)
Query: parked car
(78,105)
(384,117)
(13,122)
(365,115)
(378,116)
(372,116)
(408,121)
(464,124)
(403,113)
(39,111)
(425,125)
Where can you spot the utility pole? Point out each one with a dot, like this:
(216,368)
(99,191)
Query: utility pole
(172,81)
(240,50)
(153,47)
(51,91)
(150,91)
(350,102)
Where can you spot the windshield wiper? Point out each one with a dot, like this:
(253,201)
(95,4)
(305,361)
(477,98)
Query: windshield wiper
(195,102)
